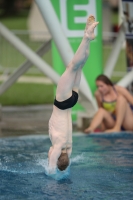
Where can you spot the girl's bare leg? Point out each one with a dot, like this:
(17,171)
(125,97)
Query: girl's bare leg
(128,119)
(101,116)
(124,116)
(67,80)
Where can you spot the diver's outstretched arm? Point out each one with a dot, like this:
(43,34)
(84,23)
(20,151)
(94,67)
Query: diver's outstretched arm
(53,157)
(69,151)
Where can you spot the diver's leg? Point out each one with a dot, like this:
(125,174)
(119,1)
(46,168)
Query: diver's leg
(67,80)
(77,81)
(101,116)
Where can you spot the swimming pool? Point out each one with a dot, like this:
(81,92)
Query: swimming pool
(101,168)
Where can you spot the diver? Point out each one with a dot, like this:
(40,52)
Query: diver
(60,123)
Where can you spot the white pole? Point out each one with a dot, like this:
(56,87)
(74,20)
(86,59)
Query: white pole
(121,15)
(128,78)
(61,42)
(55,30)
(114,53)
(22,69)
(29,54)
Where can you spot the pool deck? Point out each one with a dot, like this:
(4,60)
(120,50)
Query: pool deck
(31,120)
(25,120)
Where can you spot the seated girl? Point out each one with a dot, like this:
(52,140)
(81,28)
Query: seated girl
(114,107)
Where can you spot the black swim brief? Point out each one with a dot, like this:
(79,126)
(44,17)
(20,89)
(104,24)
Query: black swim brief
(68,103)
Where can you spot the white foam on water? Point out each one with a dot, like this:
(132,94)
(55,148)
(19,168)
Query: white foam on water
(78,158)
(38,163)
(20,169)
(33,137)
(22,163)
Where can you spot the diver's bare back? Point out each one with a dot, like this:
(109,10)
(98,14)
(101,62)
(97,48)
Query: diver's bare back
(59,130)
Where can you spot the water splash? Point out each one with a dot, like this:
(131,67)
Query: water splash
(78,158)
(57,175)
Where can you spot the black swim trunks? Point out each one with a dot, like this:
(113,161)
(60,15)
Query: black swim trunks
(68,103)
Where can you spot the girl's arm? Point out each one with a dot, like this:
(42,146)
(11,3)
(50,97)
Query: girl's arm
(98,99)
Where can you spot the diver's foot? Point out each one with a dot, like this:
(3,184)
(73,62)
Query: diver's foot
(90,26)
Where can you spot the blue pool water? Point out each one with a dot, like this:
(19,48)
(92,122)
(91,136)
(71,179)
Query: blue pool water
(101,169)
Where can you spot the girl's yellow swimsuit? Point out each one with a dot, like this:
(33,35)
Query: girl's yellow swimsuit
(109,106)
